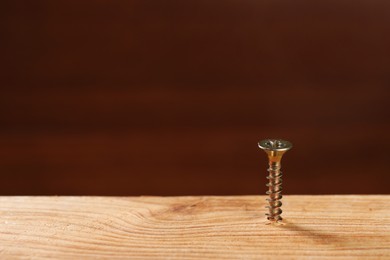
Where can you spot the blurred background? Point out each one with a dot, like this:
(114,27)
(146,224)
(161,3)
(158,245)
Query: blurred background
(171,97)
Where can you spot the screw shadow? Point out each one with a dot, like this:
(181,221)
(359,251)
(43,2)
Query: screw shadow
(316,236)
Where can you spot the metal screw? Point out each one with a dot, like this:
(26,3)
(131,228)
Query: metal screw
(275,148)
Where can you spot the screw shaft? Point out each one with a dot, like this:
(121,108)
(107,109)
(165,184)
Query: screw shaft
(274,191)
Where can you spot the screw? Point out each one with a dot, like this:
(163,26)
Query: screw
(275,148)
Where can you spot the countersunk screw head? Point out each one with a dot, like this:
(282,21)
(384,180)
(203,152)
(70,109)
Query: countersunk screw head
(276,145)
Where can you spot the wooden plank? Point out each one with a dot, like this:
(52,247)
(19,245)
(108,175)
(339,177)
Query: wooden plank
(350,226)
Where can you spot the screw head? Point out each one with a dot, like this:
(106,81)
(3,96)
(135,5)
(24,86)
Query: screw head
(276,145)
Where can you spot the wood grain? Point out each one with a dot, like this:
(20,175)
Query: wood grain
(330,227)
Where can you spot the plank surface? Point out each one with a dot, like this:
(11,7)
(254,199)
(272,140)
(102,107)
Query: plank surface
(194,227)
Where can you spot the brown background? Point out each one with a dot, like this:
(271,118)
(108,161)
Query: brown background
(170,97)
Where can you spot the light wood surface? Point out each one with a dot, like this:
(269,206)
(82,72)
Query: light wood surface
(331,227)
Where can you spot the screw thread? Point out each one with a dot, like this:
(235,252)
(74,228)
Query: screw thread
(274,191)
